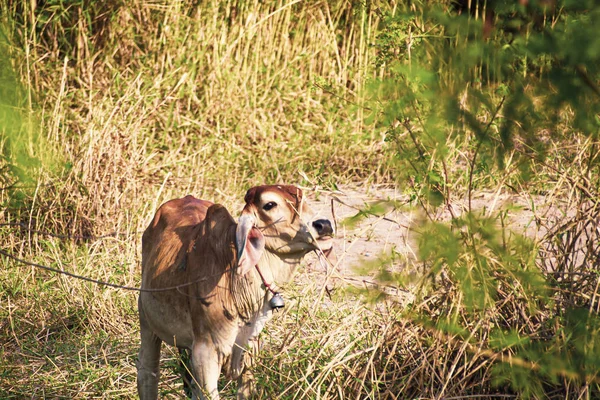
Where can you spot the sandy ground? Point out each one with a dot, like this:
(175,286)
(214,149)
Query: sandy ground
(396,230)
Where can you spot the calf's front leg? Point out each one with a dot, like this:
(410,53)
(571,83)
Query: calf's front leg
(207,367)
(246,386)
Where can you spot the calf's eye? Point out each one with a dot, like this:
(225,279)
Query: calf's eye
(269,205)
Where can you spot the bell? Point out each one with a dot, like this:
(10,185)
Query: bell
(276,301)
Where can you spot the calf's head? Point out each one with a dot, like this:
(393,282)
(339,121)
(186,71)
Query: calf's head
(276,219)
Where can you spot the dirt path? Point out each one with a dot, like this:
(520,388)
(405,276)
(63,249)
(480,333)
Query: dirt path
(396,230)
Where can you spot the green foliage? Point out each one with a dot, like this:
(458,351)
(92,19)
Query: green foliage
(18,134)
(539,67)
(492,96)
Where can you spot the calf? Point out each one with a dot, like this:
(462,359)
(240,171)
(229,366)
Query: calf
(225,274)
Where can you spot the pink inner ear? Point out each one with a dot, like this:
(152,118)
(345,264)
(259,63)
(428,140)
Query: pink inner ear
(253,248)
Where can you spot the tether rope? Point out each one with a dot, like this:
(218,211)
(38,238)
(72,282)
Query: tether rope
(99,282)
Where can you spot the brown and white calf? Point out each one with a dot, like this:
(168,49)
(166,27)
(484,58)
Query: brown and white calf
(225,271)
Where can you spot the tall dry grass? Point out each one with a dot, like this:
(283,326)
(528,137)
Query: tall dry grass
(122,105)
(193,98)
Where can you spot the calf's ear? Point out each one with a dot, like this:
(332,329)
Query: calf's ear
(250,243)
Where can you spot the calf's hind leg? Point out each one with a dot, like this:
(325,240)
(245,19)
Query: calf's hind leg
(148,363)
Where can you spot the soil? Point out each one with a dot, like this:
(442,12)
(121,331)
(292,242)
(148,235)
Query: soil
(397,229)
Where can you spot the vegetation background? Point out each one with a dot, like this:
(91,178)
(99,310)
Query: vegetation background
(107,109)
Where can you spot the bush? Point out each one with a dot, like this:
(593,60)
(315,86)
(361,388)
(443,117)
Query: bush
(500,96)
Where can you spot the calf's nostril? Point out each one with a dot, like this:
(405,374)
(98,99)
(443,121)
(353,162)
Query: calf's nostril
(323,227)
